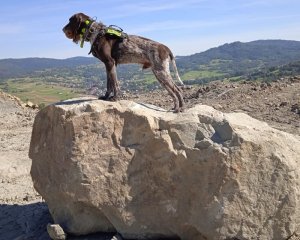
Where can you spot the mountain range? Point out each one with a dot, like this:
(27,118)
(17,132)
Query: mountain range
(10,68)
(233,61)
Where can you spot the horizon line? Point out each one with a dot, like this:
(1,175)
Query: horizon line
(80,56)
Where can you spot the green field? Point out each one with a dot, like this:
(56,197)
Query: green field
(28,89)
(200,74)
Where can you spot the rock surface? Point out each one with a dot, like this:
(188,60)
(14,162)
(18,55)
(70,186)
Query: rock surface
(147,173)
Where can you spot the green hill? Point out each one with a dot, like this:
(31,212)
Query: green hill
(239,59)
(276,72)
(263,60)
(228,60)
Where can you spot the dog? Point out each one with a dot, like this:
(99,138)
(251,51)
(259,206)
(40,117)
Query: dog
(113,47)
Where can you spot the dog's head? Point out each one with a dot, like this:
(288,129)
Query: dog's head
(76,23)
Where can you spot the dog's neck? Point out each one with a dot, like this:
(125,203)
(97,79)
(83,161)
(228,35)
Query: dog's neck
(95,29)
(91,31)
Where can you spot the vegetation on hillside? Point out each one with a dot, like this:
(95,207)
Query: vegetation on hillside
(274,73)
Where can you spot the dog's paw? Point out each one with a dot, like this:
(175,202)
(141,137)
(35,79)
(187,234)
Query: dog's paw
(113,98)
(177,110)
(105,98)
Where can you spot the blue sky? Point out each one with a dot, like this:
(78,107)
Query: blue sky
(32,28)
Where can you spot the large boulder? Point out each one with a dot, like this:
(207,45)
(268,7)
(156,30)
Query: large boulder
(148,173)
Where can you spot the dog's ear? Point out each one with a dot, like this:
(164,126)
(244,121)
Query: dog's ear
(81,17)
(76,19)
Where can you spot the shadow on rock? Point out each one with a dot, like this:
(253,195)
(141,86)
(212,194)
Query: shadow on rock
(75,101)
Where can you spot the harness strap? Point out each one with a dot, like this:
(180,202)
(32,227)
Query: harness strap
(84,31)
(93,30)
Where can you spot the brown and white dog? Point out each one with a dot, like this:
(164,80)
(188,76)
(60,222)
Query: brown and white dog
(113,50)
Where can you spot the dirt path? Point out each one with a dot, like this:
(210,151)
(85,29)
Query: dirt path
(23,215)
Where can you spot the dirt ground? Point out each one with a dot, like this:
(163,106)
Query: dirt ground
(24,215)
(277,103)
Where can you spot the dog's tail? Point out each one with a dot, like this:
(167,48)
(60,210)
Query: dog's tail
(175,69)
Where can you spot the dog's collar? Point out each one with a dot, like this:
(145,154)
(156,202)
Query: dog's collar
(84,31)
(88,24)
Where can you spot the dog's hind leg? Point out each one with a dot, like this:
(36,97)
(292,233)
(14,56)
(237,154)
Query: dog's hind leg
(177,92)
(165,79)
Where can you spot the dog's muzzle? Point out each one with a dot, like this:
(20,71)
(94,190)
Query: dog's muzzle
(68,33)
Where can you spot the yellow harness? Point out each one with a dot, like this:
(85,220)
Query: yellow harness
(111,30)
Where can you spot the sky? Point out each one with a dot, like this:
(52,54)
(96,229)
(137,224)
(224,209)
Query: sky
(33,28)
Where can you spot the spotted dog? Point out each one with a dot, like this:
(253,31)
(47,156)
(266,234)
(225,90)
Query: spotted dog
(114,47)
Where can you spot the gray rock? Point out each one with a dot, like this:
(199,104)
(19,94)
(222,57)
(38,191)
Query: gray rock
(202,174)
(56,232)
(117,237)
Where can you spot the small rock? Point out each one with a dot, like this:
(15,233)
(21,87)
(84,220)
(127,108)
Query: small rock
(29,104)
(26,198)
(263,85)
(283,104)
(56,232)
(117,237)
(296,108)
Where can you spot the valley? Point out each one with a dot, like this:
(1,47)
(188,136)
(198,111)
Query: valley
(44,81)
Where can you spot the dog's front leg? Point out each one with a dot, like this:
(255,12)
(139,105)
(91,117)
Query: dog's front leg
(112,81)
(109,87)
(111,73)
(109,82)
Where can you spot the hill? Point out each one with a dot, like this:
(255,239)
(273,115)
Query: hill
(276,72)
(262,60)
(10,68)
(233,59)
(269,51)
(239,59)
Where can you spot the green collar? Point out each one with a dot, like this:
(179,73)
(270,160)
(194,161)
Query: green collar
(83,31)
